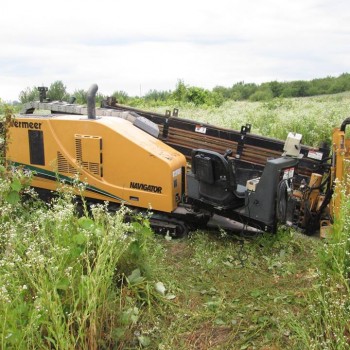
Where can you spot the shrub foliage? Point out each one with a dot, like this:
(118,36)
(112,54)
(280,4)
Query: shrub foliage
(198,96)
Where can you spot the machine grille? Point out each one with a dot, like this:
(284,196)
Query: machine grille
(92,167)
(89,153)
(64,166)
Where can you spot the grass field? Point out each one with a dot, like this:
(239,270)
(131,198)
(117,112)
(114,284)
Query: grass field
(94,282)
(313,117)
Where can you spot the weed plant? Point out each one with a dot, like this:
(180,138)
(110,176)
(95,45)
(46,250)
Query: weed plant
(326,323)
(68,282)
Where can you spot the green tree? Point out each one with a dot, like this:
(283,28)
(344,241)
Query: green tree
(99,98)
(157,96)
(197,95)
(225,92)
(180,92)
(340,84)
(298,88)
(263,94)
(80,96)
(121,97)
(215,99)
(275,87)
(57,91)
(29,95)
(242,91)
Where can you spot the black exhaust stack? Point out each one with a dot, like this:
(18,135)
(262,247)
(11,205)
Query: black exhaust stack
(91,101)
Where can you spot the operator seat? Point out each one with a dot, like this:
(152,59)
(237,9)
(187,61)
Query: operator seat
(217,183)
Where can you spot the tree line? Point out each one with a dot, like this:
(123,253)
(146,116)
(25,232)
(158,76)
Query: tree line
(198,96)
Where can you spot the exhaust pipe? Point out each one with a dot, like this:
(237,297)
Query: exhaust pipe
(91,101)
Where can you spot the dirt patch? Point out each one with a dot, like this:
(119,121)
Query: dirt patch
(209,337)
(178,250)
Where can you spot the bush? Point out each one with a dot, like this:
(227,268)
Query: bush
(121,97)
(29,95)
(68,282)
(261,95)
(57,91)
(197,96)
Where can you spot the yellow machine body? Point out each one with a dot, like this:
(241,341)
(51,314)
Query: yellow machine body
(118,161)
(340,166)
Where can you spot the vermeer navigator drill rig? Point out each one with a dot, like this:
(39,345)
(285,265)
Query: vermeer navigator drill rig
(186,171)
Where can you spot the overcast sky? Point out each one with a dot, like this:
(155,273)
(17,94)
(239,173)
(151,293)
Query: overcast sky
(139,45)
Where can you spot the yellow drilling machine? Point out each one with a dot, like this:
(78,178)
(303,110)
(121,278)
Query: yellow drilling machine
(186,173)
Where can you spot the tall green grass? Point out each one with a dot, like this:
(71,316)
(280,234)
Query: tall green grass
(64,278)
(326,324)
(313,117)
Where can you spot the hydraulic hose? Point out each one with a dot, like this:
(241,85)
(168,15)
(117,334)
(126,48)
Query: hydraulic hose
(344,124)
(282,199)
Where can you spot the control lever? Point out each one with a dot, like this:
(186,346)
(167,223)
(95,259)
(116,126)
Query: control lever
(228,153)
